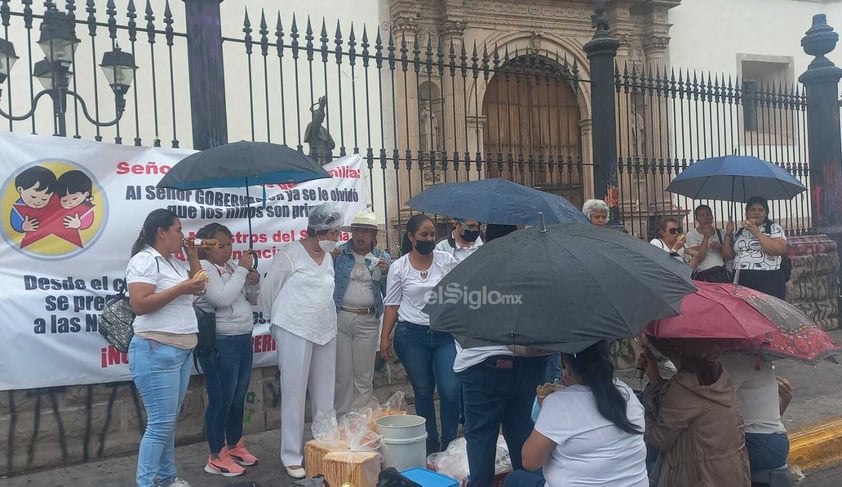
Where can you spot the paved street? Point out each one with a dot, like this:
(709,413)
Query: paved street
(817,397)
(827,477)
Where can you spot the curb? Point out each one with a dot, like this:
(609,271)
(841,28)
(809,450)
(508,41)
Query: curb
(816,444)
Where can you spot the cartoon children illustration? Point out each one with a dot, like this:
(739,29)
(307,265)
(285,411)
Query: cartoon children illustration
(52,206)
(36,186)
(74,191)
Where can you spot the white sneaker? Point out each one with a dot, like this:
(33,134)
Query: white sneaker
(296,472)
(178,482)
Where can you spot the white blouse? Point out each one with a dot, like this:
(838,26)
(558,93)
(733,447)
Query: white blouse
(150,267)
(298,294)
(409,288)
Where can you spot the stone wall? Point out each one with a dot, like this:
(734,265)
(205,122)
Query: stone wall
(814,285)
(42,428)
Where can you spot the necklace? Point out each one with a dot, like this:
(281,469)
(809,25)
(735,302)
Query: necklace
(424,274)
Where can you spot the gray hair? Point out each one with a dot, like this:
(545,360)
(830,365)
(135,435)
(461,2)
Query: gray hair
(592,206)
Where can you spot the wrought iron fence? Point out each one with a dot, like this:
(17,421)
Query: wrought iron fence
(422,108)
(668,119)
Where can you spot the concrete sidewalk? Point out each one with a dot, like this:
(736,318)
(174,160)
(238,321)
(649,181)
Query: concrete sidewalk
(814,420)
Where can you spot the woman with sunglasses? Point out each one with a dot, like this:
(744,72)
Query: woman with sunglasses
(671,238)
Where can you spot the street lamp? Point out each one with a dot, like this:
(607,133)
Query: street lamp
(59,42)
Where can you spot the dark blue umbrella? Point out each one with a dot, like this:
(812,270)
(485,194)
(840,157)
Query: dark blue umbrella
(735,178)
(242,164)
(497,201)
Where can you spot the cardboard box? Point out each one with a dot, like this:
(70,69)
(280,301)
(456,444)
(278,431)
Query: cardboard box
(360,469)
(314,452)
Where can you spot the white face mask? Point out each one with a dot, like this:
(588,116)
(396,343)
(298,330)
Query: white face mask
(327,245)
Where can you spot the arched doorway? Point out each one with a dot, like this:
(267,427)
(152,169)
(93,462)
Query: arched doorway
(531,133)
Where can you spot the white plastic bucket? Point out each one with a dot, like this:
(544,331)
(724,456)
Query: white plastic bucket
(404,443)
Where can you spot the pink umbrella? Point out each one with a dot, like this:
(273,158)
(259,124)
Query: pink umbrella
(748,321)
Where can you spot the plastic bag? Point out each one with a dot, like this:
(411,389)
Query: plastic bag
(358,435)
(502,460)
(453,462)
(396,404)
(326,429)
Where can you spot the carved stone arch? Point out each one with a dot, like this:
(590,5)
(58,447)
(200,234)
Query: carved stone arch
(550,45)
(536,126)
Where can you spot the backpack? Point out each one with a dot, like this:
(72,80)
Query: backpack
(786,262)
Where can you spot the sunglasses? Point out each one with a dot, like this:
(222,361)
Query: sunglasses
(676,231)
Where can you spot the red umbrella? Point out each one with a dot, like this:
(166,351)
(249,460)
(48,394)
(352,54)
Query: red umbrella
(746,320)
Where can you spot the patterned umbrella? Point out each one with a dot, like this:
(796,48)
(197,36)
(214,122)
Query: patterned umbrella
(746,321)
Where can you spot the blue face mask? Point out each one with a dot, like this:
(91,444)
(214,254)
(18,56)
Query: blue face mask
(425,247)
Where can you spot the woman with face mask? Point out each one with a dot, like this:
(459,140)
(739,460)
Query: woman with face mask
(298,295)
(463,240)
(427,355)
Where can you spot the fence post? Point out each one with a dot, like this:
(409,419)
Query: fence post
(601,51)
(207,78)
(821,82)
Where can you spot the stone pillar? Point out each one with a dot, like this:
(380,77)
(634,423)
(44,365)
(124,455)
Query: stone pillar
(207,79)
(821,81)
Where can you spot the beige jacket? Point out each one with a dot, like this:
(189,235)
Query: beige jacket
(699,432)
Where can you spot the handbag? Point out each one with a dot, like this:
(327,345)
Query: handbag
(115,322)
(207,331)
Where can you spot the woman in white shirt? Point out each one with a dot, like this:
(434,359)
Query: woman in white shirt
(706,241)
(427,355)
(670,238)
(761,406)
(298,294)
(757,249)
(231,290)
(588,433)
(161,294)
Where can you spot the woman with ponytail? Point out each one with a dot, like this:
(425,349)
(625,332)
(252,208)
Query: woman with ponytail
(427,355)
(588,433)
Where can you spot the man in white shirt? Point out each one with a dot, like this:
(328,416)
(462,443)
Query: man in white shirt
(463,240)
(498,388)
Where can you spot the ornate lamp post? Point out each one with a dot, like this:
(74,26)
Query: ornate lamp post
(59,42)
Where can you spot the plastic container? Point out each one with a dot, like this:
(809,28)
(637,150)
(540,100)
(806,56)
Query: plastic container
(428,478)
(404,444)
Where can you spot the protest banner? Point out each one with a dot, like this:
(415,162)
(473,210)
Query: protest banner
(71,210)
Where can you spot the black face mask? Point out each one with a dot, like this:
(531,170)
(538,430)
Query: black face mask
(470,235)
(425,247)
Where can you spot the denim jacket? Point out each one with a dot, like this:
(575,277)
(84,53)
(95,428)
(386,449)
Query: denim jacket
(342,267)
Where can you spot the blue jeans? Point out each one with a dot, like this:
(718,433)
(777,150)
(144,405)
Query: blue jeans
(498,391)
(767,451)
(522,478)
(428,359)
(227,375)
(161,373)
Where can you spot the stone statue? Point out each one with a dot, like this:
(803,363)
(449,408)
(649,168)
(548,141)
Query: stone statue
(321,143)
(429,128)
(638,133)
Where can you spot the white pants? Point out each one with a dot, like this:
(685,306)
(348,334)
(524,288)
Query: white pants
(356,344)
(304,367)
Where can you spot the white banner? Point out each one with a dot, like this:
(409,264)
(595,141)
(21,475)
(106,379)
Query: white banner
(71,210)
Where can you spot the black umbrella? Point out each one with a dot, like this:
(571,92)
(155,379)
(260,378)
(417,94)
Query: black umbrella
(242,164)
(498,201)
(560,288)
